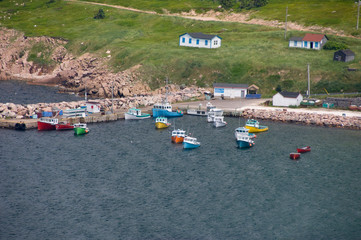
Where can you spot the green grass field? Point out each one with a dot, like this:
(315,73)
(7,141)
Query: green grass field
(249,53)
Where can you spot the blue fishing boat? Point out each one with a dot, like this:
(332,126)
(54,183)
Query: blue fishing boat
(190,142)
(243,130)
(243,138)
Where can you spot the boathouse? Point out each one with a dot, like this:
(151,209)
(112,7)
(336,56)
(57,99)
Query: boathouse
(309,41)
(229,90)
(200,40)
(286,99)
(344,55)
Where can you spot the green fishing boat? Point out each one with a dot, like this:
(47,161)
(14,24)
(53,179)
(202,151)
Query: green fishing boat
(80,129)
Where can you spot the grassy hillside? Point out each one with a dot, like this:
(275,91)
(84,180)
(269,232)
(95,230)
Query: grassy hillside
(249,53)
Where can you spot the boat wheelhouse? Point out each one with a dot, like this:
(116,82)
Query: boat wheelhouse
(214,112)
(178,135)
(134,113)
(243,130)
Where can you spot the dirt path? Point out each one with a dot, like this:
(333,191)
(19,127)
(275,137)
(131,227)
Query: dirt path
(228,17)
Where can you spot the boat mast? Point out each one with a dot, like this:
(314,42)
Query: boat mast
(166,90)
(308,80)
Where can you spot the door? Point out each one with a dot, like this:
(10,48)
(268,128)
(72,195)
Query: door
(311,45)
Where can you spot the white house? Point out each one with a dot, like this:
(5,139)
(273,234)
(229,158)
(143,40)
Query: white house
(286,99)
(309,41)
(93,106)
(229,90)
(200,40)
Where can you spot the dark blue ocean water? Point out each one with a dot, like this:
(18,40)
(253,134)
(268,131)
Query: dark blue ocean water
(19,92)
(126,180)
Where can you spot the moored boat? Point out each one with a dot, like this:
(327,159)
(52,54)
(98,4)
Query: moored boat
(135,113)
(304,149)
(178,135)
(190,143)
(214,112)
(253,126)
(46,124)
(199,111)
(64,126)
(80,129)
(219,121)
(243,130)
(244,140)
(295,156)
(162,122)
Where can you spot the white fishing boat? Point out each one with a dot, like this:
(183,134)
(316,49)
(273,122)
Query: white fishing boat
(199,111)
(219,121)
(243,138)
(135,113)
(243,131)
(214,112)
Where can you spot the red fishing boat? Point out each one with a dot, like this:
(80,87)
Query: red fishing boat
(45,124)
(295,156)
(64,126)
(304,149)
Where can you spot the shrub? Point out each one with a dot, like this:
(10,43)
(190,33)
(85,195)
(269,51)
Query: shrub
(249,4)
(226,4)
(100,14)
(333,45)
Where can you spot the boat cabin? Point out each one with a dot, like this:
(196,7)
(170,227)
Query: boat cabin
(163,106)
(179,133)
(161,120)
(52,121)
(135,111)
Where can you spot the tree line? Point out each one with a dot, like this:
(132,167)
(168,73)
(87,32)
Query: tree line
(242,4)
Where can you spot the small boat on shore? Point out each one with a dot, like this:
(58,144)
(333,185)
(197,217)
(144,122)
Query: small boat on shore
(46,124)
(190,143)
(80,129)
(253,126)
(304,149)
(178,136)
(295,156)
(134,113)
(219,121)
(64,126)
(162,122)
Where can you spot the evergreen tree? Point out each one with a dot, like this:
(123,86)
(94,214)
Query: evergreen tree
(100,14)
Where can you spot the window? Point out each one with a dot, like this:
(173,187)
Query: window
(295,43)
(190,40)
(305,43)
(215,42)
(183,40)
(206,42)
(197,41)
(316,44)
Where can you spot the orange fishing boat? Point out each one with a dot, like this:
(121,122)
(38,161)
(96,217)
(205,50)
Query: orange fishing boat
(178,136)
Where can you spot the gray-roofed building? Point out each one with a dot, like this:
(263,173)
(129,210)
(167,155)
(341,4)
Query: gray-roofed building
(344,55)
(200,40)
(295,42)
(286,99)
(230,90)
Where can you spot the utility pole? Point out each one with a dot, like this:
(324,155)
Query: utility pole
(113,96)
(358,13)
(308,80)
(286,23)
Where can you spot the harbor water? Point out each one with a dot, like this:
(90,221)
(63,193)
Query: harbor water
(126,180)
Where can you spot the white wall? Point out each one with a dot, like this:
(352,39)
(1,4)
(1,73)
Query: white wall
(213,43)
(292,44)
(94,109)
(279,100)
(230,92)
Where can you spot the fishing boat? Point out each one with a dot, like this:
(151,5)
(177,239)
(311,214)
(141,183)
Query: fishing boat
(199,111)
(80,129)
(304,149)
(243,130)
(64,126)
(178,135)
(219,121)
(295,156)
(244,140)
(135,113)
(253,126)
(190,142)
(214,112)
(46,124)
(162,122)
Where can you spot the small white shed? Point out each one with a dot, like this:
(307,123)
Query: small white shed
(286,99)
(200,40)
(229,90)
(93,106)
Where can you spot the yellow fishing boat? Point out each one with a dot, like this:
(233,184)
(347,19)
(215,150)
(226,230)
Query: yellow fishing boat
(162,122)
(254,127)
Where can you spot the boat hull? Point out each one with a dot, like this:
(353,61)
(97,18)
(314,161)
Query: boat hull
(61,127)
(244,144)
(177,139)
(43,126)
(303,150)
(80,131)
(187,145)
(256,130)
(295,156)
(165,113)
(219,124)
(161,125)
(136,117)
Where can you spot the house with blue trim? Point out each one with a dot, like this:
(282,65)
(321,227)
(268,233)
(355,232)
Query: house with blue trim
(309,41)
(200,40)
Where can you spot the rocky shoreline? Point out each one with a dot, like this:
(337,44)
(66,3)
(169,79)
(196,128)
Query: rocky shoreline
(317,119)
